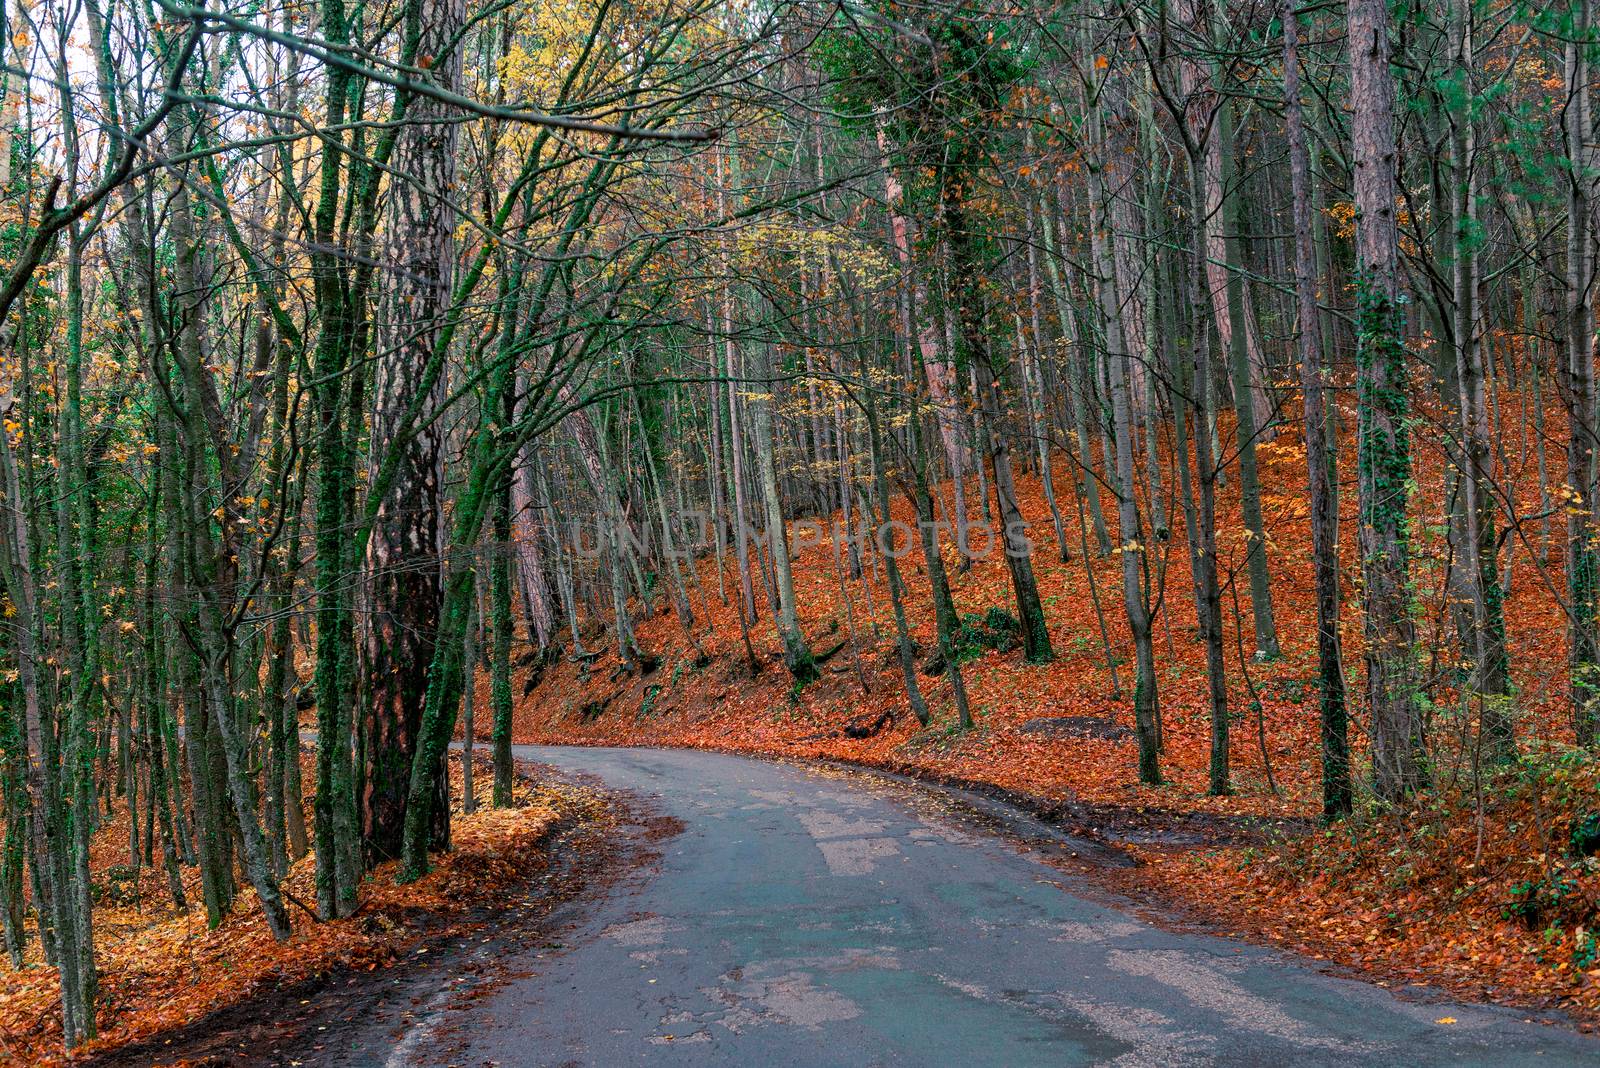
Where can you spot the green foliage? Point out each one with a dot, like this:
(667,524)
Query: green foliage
(1294,689)
(934,85)
(996,629)
(1385,445)
(120,886)
(1584,839)
(1585,950)
(888,60)
(1552,896)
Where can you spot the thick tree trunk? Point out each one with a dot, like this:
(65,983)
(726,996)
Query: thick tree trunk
(337,867)
(1207,471)
(1385,445)
(404,549)
(469,708)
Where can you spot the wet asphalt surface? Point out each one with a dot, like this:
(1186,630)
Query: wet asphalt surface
(803,918)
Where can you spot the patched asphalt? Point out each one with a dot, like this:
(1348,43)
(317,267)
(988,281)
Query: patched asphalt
(801,918)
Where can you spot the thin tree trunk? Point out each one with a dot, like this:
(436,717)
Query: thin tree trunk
(796,654)
(500,705)
(1336,790)
(1491,667)
(1135,554)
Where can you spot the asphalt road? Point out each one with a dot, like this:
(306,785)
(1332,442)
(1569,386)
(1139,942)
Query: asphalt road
(806,919)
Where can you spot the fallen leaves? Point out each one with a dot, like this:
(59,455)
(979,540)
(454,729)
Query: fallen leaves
(161,970)
(1395,910)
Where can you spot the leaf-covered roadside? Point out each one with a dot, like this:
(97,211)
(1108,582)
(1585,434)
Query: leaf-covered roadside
(1389,893)
(1491,894)
(162,971)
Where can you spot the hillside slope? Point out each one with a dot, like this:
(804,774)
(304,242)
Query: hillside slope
(1400,892)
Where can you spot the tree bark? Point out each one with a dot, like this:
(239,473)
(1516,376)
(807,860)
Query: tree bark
(404,549)
(1384,438)
(1491,664)
(1336,790)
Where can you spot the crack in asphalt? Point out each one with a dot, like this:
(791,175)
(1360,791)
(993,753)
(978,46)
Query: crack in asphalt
(805,917)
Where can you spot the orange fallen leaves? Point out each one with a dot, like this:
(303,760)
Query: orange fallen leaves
(1327,912)
(1430,895)
(160,970)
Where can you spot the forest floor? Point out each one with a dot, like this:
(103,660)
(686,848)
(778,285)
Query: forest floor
(1478,889)
(174,991)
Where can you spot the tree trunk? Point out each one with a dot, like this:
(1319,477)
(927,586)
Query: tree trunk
(1320,468)
(500,651)
(1014,528)
(796,654)
(1384,445)
(1244,358)
(1135,554)
(1491,666)
(403,551)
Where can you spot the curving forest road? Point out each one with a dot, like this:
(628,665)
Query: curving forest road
(803,918)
